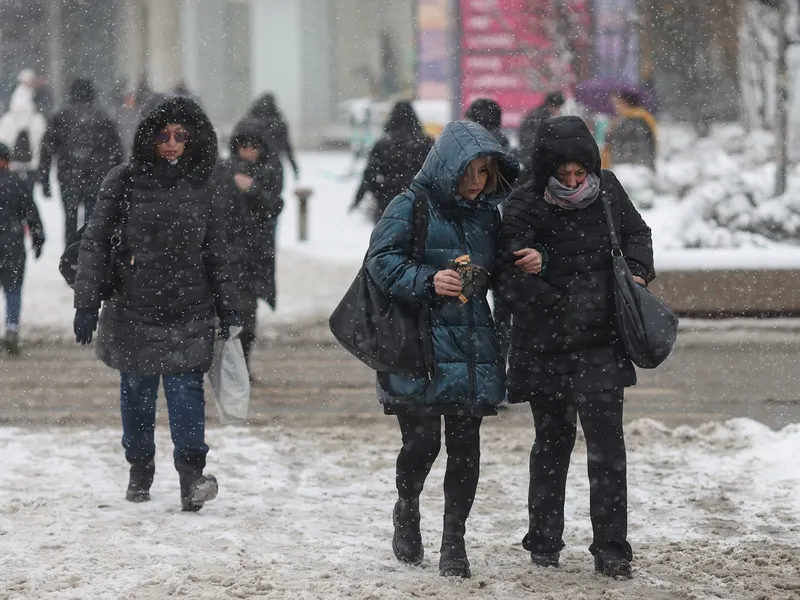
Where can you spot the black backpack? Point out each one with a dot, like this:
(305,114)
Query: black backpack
(22,148)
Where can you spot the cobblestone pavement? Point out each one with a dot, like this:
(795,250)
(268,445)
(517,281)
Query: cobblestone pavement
(719,371)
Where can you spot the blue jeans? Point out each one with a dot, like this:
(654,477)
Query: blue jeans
(187,418)
(13,308)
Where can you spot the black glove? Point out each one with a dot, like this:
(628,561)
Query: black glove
(38,242)
(225,324)
(85,324)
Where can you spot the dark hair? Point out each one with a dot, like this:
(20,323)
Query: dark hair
(555,99)
(630,98)
(486,113)
(81,91)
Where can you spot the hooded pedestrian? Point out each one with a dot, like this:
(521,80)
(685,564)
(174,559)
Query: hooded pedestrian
(171,281)
(23,127)
(251,181)
(463,179)
(395,158)
(275,129)
(567,360)
(17,211)
(84,143)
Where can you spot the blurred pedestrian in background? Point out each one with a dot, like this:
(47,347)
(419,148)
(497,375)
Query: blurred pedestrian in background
(275,129)
(171,280)
(551,107)
(632,136)
(488,114)
(17,211)
(395,158)
(23,127)
(84,143)
(251,181)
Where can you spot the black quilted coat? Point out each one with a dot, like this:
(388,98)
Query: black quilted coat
(174,274)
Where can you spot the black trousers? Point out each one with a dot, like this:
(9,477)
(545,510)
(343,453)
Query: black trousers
(556,424)
(80,189)
(422,439)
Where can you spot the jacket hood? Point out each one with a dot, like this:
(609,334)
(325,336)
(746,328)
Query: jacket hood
(485,112)
(81,91)
(265,107)
(459,143)
(200,156)
(403,120)
(251,130)
(560,140)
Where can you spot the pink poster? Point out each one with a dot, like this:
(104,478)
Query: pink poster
(516,51)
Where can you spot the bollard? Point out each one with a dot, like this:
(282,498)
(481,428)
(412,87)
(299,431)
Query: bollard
(303,196)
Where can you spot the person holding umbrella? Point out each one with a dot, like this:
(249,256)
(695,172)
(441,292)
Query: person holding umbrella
(632,136)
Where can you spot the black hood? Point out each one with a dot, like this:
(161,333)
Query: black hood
(200,157)
(485,112)
(403,120)
(251,130)
(266,108)
(560,140)
(81,91)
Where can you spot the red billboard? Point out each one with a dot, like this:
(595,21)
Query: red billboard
(515,51)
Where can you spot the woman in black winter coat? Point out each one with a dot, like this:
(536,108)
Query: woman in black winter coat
(394,159)
(171,280)
(566,359)
(17,209)
(274,129)
(251,181)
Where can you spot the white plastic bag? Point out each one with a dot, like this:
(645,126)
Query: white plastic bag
(229,379)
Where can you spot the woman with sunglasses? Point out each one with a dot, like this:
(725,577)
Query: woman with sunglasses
(171,280)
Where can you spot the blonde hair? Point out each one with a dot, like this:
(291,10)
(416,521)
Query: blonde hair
(495,181)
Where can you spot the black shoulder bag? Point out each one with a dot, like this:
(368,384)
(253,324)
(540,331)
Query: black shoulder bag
(68,264)
(647,327)
(387,335)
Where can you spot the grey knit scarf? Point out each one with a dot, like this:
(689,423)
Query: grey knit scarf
(573,198)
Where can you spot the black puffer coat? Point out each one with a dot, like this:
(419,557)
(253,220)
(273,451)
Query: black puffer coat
(252,216)
(563,340)
(175,270)
(17,209)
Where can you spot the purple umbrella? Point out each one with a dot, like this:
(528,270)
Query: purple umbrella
(595,94)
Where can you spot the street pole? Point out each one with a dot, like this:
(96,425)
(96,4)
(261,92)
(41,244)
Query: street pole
(782,111)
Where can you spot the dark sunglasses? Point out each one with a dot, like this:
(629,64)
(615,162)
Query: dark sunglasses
(162,137)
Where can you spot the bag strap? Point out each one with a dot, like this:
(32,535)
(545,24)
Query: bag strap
(421,214)
(616,249)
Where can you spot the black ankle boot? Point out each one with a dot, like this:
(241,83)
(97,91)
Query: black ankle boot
(196,488)
(453,560)
(612,562)
(139,481)
(407,539)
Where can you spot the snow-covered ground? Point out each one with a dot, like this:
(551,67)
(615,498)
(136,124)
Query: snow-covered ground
(306,513)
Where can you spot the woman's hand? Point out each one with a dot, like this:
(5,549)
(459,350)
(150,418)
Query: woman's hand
(640,281)
(243,182)
(530,260)
(447,283)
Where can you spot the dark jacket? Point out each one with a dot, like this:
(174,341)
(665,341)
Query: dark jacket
(252,216)
(469,369)
(631,139)
(274,127)
(395,158)
(563,341)
(17,209)
(174,273)
(527,135)
(81,138)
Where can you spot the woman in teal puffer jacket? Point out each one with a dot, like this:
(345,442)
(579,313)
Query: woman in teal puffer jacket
(464,178)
